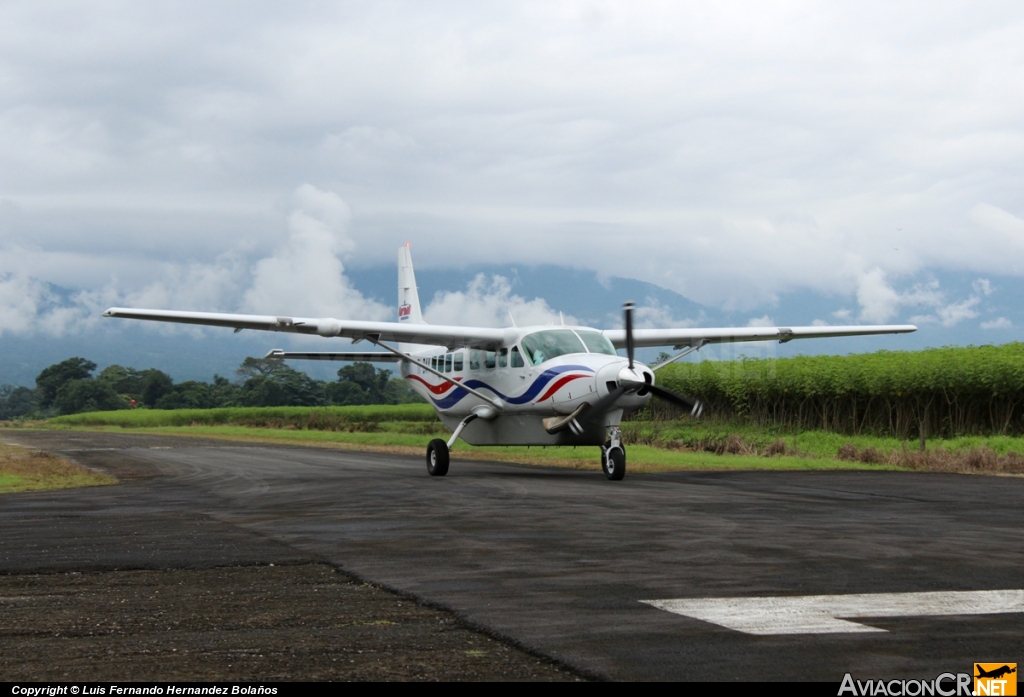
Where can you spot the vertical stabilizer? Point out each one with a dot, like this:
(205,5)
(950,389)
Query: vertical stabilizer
(408,296)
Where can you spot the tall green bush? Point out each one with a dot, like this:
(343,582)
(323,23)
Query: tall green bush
(947,391)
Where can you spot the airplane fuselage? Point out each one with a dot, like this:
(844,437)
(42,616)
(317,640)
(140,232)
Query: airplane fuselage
(526,385)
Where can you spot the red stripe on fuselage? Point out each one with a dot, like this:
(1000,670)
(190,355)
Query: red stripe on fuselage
(436,389)
(558,385)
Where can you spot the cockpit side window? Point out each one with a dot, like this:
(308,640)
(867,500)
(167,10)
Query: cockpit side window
(545,345)
(517,358)
(503,358)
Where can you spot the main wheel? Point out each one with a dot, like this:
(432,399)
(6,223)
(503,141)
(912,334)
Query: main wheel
(614,464)
(437,458)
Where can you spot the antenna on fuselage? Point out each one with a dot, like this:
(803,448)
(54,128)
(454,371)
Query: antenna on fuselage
(561,317)
(513,319)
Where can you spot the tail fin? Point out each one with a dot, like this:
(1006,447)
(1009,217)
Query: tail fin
(408,296)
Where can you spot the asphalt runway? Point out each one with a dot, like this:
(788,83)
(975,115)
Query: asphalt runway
(561,560)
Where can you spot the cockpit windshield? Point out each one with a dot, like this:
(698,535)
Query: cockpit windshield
(597,342)
(545,345)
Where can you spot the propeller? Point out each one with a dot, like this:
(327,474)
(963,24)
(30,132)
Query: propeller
(627,309)
(632,380)
(695,406)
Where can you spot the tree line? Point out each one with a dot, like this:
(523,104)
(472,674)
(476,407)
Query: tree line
(70,387)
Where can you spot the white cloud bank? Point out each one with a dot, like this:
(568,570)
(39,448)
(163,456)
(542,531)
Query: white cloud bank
(730,152)
(304,276)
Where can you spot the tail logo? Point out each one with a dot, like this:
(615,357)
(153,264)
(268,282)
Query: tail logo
(404,311)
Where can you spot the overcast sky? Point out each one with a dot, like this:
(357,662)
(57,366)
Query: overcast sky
(238,156)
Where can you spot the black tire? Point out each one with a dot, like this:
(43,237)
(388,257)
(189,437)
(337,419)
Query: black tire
(614,464)
(437,458)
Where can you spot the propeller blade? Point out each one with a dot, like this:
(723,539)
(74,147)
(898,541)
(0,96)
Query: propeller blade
(627,309)
(695,406)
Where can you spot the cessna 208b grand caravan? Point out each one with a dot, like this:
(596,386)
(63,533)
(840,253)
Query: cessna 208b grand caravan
(543,385)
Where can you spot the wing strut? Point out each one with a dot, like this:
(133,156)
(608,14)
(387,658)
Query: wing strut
(685,352)
(493,401)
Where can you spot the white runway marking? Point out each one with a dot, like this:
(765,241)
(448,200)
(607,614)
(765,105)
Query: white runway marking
(820,614)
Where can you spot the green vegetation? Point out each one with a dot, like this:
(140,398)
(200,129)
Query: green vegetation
(952,409)
(948,392)
(304,418)
(25,470)
(69,387)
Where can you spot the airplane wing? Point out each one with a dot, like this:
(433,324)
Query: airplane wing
(348,356)
(680,338)
(431,334)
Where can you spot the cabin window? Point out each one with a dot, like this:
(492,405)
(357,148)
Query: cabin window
(458,362)
(433,362)
(517,358)
(474,360)
(448,363)
(503,358)
(548,344)
(489,360)
(597,342)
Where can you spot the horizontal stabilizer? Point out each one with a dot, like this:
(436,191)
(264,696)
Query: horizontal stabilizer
(365,357)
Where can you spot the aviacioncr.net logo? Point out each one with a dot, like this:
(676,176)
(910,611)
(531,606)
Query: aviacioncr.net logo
(945,685)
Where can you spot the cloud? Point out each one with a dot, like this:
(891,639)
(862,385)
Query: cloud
(880,302)
(28,305)
(652,314)
(305,275)
(1000,323)
(728,154)
(957,312)
(764,321)
(982,286)
(490,303)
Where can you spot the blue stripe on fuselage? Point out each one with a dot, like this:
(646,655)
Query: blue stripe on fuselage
(456,395)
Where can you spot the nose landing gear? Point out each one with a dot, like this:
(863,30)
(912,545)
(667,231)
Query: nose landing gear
(613,455)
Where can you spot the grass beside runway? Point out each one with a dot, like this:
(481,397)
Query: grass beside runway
(652,445)
(22,469)
(391,438)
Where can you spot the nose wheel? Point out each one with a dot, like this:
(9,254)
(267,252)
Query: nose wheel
(613,455)
(437,458)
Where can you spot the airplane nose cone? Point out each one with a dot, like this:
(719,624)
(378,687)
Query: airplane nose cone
(635,378)
(630,377)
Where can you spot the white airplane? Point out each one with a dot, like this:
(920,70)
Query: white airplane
(541,385)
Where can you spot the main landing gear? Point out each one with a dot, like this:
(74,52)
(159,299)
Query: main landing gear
(438,451)
(613,455)
(437,458)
